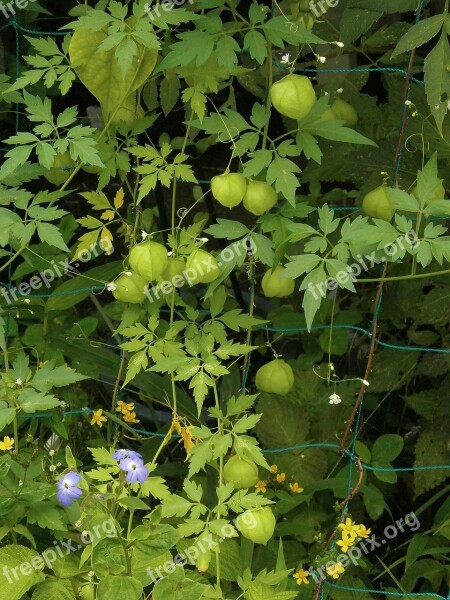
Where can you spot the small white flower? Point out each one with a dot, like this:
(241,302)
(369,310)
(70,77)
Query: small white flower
(52,452)
(20,483)
(365,382)
(170,253)
(27,301)
(128,273)
(335,399)
(340,90)
(78,524)
(339,44)
(285,59)
(144,234)
(111,287)
(19,381)
(204,239)
(52,468)
(91,573)
(322,59)
(408,102)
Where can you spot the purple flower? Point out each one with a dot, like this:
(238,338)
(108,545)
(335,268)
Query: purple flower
(136,470)
(121,454)
(67,490)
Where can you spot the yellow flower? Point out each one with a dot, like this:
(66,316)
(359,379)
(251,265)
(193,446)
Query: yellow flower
(335,571)
(175,426)
(348,539)
(123,407)
(129,417)
(301,577)
(294,487)
(273,469)
(261,487)
(7,443)
(362,531)
(281,477)
(98,418)
(349,527)
(188,439)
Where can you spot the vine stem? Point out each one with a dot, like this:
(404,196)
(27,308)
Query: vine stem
(405,277)
(220,430)
(251,260)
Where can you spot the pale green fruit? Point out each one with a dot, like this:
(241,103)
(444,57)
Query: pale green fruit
(204,266)
(241,472)
(377,204)
(229,189)
(275,286)
(275,377)
(259,197)
(56,175)
(257,525)
(130,288)
(148,259)
(293,96)
(345,111)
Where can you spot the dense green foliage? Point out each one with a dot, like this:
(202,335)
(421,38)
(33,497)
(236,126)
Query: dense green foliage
(274,343)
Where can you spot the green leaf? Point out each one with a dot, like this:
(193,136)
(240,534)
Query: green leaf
(51,235)
(49,376)
(336,131)
(6,416)
(373,501)
(101,73)
(31,401)
(437,80)
(315,286)
(255,43)
(54,590)
(19,582)
(226,229)
(387,447)
(119,587)
(419,34)
(280,30)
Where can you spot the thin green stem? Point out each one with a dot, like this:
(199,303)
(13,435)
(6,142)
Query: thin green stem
(219,502)
(13,257)
(405,277)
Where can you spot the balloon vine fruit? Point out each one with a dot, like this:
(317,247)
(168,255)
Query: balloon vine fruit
(148,259)
(257,525)
(293,96)
(229,188)
(130,288)
(275,377)
(204,266)
(204,557)
(378,204)
(345,111)
(241,472)
(276,286)
(57,175)
(259,197)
